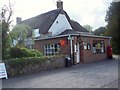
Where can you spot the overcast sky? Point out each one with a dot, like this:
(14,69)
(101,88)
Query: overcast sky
(91,12)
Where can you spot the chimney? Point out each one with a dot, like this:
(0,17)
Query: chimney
(60,4)
(18,20)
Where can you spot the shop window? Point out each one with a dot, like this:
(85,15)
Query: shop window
(87,46)
(51,49)
(98,46)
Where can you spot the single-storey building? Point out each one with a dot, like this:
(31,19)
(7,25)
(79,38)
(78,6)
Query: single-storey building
(56,34)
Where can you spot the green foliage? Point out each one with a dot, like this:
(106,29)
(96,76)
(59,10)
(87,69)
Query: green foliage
(112,17)
(19,52)
(19,33)
(100,31)
(88,27)
(23,62)
(5,18)
(5,40)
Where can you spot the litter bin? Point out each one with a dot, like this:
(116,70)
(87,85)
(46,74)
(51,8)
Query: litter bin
(68,62)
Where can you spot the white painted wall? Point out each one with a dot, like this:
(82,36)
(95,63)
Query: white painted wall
(60,24)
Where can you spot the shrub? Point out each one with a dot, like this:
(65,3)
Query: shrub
(19,52)
(7,54)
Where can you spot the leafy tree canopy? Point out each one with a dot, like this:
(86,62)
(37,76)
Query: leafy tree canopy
(19,33)
(112,18)
(88,27)
(100,31)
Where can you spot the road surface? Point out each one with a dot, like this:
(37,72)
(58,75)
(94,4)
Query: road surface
(102,74)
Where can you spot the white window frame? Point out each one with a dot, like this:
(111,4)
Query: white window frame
(50,50)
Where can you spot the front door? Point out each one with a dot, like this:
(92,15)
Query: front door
(78,52)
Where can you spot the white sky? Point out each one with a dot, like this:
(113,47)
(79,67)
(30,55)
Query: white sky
(91,12)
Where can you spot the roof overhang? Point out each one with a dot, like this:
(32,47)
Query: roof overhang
(60,36)
(95,36)
(67,35)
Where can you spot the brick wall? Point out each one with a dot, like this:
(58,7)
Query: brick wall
(88,55)
(33,65)
(65,50)
(85,55)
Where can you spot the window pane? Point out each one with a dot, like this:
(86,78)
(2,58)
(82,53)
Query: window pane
(98,46)
(88,46)
(51,49)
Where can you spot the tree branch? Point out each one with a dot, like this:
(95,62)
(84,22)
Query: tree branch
(10,12)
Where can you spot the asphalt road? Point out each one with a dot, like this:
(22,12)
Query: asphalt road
(103,74)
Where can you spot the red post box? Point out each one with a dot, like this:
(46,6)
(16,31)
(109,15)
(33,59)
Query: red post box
(109,52)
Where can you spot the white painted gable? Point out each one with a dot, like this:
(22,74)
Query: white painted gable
(60,24)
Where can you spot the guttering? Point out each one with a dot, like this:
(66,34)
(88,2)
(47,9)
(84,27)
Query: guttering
(95,36)
(81,34)
(56,36)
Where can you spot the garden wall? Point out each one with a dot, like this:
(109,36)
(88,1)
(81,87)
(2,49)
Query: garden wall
(23,66)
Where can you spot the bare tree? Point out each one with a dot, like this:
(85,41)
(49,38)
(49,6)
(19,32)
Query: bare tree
(7,12)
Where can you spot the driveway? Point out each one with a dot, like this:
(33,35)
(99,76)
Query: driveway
(102,74)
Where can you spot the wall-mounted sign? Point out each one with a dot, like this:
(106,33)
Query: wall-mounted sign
(69,37)
(85,45)
(3,73)
(62,42)
(75,48)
